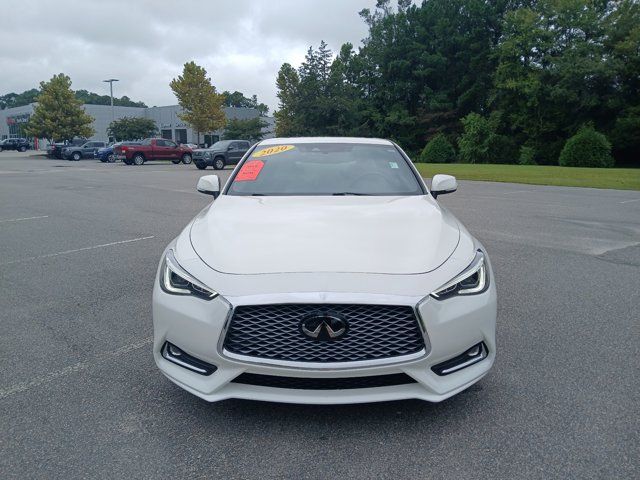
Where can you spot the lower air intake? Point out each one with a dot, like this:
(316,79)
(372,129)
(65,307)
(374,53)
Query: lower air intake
(345,383)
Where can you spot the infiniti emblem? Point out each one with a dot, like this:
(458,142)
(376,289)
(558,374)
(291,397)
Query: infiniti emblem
(323,326)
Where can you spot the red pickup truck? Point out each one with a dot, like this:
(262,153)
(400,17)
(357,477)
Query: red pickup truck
(152,149)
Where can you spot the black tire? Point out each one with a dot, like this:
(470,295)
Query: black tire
(76,156)
(176,162)
(23,149)
(186,159)
(111,158)
(201,165)
(218,163)
(138,159)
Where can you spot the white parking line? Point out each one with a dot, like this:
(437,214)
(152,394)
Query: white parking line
(23,218)
(66,252)
(97,359)
(629,201)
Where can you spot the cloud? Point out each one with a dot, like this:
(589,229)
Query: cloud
(241,43)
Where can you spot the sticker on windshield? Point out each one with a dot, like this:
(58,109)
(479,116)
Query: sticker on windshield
(249,171)
(393,164)
(273,151)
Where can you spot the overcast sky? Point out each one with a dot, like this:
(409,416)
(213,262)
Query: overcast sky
(145,43)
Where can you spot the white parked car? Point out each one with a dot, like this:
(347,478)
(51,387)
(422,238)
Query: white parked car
(325,271)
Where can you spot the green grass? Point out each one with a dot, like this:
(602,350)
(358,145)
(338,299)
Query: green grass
(617,178)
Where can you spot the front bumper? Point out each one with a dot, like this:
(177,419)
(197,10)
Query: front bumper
(450,328)
(197,157)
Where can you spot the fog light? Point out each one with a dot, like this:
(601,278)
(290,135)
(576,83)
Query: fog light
(470,357)
(179,357)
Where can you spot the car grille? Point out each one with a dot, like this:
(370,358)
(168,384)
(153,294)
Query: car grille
(197,154)
(344,383)
(273,332)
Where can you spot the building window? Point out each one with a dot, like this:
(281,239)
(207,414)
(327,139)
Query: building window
(166,134)
(211,139)
(181,135)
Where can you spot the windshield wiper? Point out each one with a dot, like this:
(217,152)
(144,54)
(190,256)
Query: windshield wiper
(351,193)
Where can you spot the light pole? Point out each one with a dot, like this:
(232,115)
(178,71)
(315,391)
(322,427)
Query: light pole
(110,82)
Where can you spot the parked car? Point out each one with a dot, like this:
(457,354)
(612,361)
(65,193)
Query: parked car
(106,154)
(19,144)
(153,149)
(325,271)
(192,146)
(54,150)
(224,152)
(86,150)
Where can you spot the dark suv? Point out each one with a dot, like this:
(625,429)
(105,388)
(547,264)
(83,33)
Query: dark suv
(86,150)
(19,144)
(224,152)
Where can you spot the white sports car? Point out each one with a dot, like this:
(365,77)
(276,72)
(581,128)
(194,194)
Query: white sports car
(325,271)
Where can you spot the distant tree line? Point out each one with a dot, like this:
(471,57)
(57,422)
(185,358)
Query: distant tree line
(11,100)
(499,81)
(237,99)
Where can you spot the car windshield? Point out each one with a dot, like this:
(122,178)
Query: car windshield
(222,144)
(325,169)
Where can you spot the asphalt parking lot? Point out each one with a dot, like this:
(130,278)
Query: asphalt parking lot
(80,396)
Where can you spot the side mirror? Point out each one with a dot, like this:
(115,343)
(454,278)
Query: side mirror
(209,185)
(442,184)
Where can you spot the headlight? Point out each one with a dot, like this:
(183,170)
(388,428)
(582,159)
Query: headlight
(176,281)
(474,279)
(207,155)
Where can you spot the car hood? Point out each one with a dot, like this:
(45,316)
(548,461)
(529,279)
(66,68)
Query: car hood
(356,234)
(208,150)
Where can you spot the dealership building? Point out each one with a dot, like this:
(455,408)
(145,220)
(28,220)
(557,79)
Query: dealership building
(12,121)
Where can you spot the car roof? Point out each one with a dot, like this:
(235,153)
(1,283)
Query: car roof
(286,140)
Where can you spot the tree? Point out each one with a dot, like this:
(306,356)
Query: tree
(58,114)
(476,140)
(287,116)
(132,128)
(250,129)
(201,104)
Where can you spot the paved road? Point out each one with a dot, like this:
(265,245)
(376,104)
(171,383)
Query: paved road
(80,396)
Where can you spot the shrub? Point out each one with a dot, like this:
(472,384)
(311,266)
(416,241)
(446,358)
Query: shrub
(438,150)
(587,148)
(527,155)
